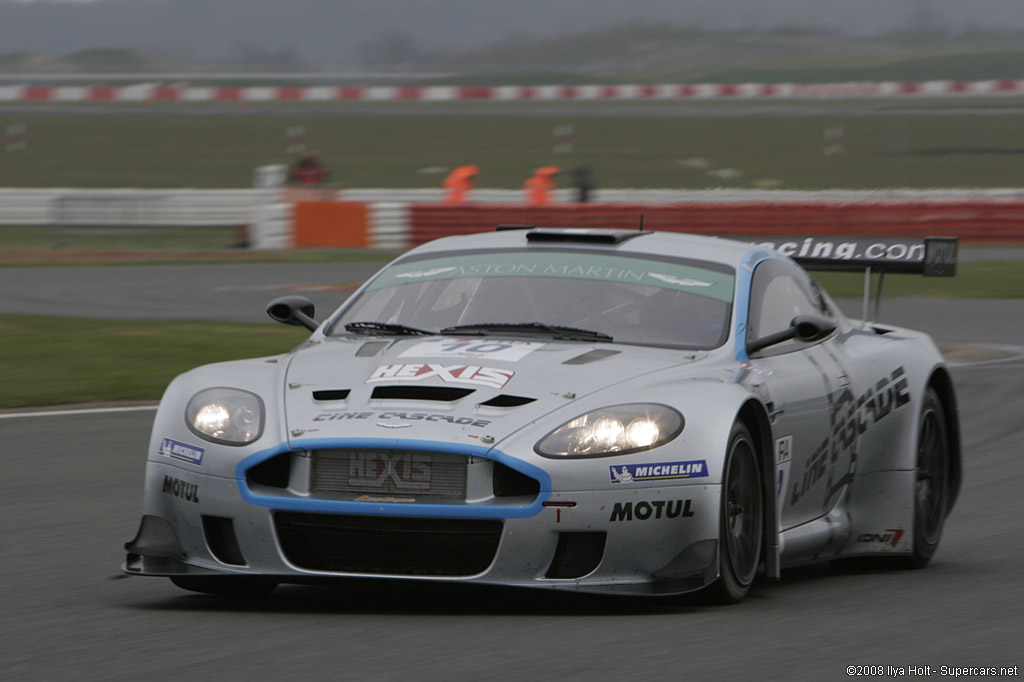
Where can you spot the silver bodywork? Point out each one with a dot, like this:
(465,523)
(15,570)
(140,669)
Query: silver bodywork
(835,422)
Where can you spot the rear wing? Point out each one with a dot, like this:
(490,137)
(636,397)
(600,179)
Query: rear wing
(930,257)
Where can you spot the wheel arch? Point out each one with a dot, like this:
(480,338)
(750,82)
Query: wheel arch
(755,417)
(942,383)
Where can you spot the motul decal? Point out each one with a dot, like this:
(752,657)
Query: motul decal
(492,377)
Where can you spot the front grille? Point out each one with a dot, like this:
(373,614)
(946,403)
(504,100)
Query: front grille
(388,545)
(423,476)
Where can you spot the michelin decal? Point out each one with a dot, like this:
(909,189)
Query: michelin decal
(658,471)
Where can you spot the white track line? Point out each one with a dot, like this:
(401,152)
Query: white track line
(91,410)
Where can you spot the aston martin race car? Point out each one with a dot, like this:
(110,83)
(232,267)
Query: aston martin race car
(610,411)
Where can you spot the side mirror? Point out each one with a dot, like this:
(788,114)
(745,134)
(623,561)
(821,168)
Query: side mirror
(807,328)
(297,310)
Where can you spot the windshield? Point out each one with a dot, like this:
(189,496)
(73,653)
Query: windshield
(582,295)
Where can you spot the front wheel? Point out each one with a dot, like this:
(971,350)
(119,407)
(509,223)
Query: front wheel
(741,520)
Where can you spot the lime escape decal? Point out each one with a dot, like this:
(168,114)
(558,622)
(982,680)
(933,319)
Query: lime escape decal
(568,265)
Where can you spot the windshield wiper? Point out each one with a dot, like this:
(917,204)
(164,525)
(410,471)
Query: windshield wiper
(556,330)
(384,328)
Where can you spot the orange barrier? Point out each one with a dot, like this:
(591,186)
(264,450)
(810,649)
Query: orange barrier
(971,221)
(330,223)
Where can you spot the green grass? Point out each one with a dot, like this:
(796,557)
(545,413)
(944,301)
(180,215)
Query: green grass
(848,68)
(205,150)
(36,245)
(51,361)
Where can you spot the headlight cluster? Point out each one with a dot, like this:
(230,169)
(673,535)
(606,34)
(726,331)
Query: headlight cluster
(229,416)
(616,430)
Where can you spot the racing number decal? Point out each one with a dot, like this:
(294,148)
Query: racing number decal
(473,349)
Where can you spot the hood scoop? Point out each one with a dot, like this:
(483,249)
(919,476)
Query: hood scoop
(371,348)
(591,356)
(420,393)
(504,400)
(332,394)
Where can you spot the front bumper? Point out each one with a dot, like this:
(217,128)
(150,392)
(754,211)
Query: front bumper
(640,539)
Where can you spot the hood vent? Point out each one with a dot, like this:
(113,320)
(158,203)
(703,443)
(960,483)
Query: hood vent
(371,348)
(507,401)
(419,393)
(335,394)
(592,356)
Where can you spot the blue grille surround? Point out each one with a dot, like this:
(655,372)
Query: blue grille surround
(467,511)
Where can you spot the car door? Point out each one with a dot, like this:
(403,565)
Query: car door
(805,387)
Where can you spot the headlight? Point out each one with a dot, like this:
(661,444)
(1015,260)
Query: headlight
(616,430)
(228,416)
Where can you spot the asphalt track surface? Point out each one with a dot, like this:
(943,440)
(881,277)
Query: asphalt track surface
(71,494)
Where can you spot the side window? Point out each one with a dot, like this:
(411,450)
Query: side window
(779,292)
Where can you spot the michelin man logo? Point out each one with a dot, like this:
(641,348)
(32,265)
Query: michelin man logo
(623,476)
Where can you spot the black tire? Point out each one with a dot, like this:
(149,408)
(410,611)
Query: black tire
(932,483)
(226,586)
(741,520)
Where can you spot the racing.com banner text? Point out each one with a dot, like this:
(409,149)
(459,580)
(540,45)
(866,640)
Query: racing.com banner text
(829,248)
(931,257)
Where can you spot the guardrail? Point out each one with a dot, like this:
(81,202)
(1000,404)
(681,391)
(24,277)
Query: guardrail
(397,218)
(143,207)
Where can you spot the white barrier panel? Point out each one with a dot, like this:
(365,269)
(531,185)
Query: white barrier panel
(177,207)
(271,227)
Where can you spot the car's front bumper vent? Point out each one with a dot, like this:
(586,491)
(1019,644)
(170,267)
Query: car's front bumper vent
(577,554)
(222,541)
(388,545)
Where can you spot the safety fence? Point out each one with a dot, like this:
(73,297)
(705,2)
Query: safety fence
(397,219)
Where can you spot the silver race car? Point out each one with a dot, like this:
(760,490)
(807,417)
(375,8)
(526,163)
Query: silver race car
(593,410)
